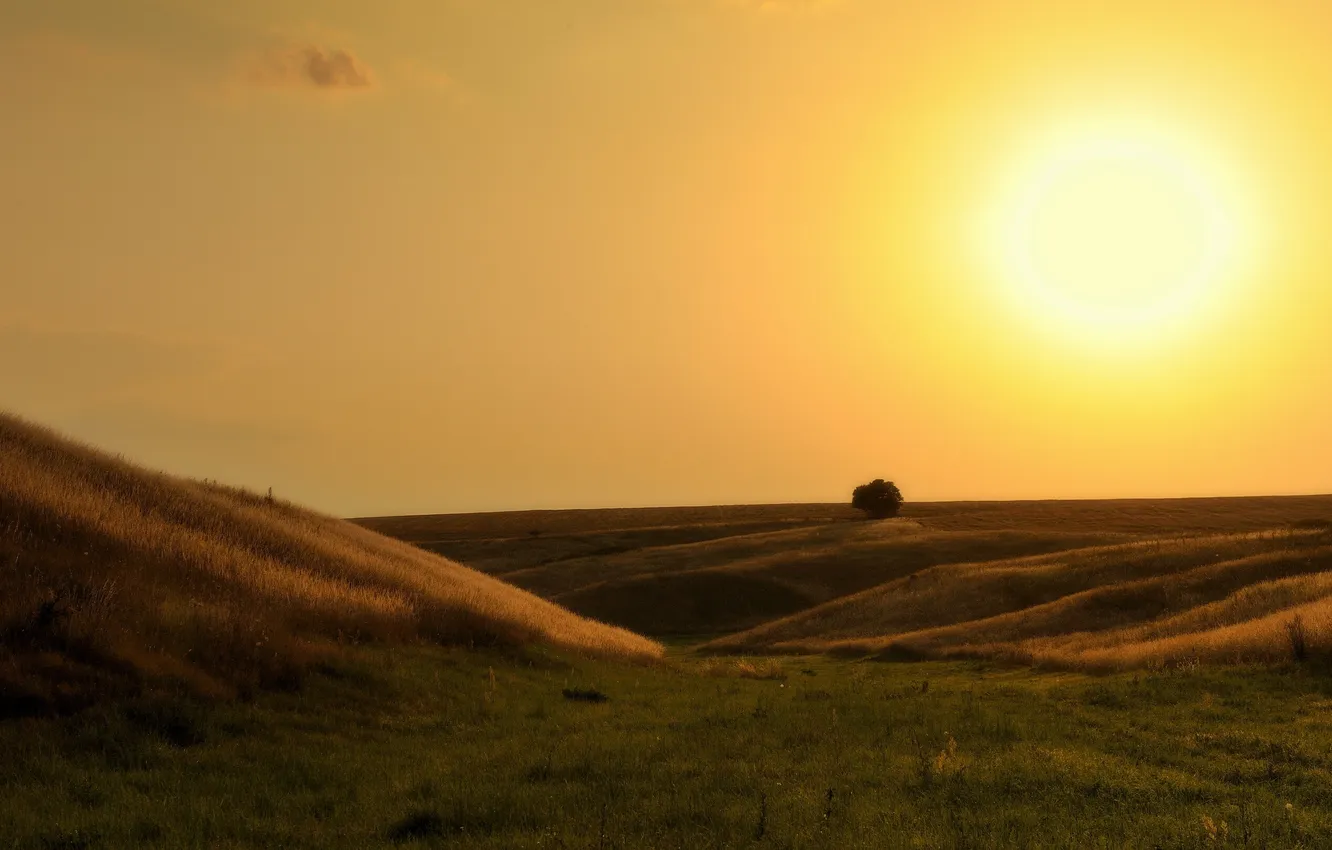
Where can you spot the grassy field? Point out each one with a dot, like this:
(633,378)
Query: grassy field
(435,747)
(187,665)
(710,570)
(1093,584)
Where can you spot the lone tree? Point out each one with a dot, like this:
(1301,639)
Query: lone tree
(879,499)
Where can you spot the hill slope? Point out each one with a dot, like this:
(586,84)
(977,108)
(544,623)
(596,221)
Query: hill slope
(736,583)
(111,574)
(705,571)
(1221,597)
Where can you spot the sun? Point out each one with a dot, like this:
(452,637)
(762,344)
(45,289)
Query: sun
(1109,238)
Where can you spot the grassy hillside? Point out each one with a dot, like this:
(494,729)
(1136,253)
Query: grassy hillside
(498,543)
(708,570)
(111,575)
(1221,598)
(697,571)
(735,583)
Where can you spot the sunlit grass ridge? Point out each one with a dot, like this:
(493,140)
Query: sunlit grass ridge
(1223,598)
(109,566)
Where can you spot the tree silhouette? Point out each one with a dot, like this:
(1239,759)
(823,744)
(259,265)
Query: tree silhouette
(878,499)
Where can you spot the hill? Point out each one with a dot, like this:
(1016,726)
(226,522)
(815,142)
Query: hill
(1159,601)
(707,571)
(730,569)
(737,582)
(114,576)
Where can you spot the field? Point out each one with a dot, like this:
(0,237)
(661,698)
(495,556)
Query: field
(1075,585)
(430,747)
(188,665)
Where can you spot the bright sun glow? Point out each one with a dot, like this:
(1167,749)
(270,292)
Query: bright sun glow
(1113,238)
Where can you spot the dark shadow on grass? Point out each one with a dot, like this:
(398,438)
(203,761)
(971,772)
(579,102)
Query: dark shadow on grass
(16,704)
(179,723)
(429,823)
(584,695)
(900,652)
(422,824)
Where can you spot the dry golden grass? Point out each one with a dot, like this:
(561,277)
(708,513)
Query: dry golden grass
(974,590)
(1075,583)
(108,567)
(733,584)
(743,668)
(1217,598)
(666,581)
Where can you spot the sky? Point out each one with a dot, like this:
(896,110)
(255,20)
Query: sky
(420,256)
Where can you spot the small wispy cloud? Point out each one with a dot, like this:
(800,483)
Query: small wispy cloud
(310,67)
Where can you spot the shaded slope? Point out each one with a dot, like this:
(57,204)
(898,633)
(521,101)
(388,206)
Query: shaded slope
(789,573)
(699,602)
(114,572)
(737,583)
(522,524)
(500,543)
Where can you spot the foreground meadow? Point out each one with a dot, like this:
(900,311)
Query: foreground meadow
(438,747)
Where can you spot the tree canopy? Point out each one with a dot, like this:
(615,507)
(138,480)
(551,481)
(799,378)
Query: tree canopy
(879,499)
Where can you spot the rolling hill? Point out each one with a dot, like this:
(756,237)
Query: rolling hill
(114,576)
(1221,597)
(1074,583)
(737,582)
(708,570)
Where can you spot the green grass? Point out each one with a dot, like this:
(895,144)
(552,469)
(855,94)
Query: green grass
(437,747)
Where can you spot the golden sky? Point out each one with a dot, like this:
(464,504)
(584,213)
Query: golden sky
(438,255)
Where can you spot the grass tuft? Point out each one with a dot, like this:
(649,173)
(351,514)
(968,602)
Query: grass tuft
(1299,638)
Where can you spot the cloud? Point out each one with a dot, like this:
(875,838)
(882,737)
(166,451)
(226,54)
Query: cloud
(311,67)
